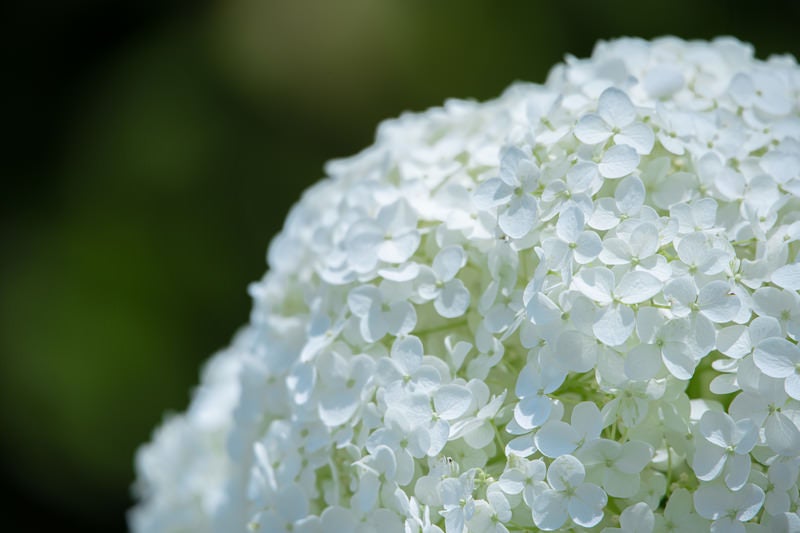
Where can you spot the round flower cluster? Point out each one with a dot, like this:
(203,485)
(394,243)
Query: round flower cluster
(572,308)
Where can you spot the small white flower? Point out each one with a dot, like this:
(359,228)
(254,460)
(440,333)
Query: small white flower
(724,448)
(627,202)
(615,117)
(392,237)
(379,316)
(727,508)
(616,320)
(571,241)
(450,297)
(535,382)
(569,498)
(457,502)
(527,477)
(616,466)
(510,193)
(556,438)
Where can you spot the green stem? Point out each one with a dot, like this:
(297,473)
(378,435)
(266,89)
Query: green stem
(436,329)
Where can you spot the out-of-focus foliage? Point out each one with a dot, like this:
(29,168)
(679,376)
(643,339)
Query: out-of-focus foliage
(154,149)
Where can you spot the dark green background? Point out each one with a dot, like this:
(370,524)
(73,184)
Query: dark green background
(154,147)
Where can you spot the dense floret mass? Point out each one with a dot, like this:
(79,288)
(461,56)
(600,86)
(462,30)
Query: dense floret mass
(572,308)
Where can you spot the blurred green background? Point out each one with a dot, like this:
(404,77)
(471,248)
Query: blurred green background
(154,147)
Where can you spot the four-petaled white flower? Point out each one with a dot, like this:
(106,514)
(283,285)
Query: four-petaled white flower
(450,296)
(569,497)
(724,448)
(615,117)
(727,508)
(510,193)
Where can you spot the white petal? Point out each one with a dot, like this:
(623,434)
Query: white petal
(452,401)
(616,108)
(400,319)
(742,89)
(712,500)
(776,357)
(521,446)
(787,276)
(361,299)
(681,290)
(301,382)
(385,461)
(399,249)
(397,216)
(638,136)
(748,501)
(717,301)
(405,272)
(512,481)
(614,325)
(520,216)
(336,408)
(782,434)
(588,247)
(662,80)
(515,164)
(292,503)
(644,240)
(596,284)
(407,353)
(592,129)
(734,341)
(792,385)
(532,411)
(373,327)
(565,471)
(704,212)
(648,322)
(449,261)
(636,287)
(718,428)
(542,310)
(638,517)
(570,224)
(678,360)
(556,438)
(772,95)
(405,468)
(737,471)
(453,300)
(615,252)
(491,193)
(780,165)
(586,507)
(619,484)
(583,176)
(577,352)
(618,162)
(549,510)
(439,433)
(338,519)
(587,419)
(630,195)
(605,214)
(635,456)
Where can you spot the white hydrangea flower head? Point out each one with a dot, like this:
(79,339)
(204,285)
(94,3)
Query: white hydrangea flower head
(571,308)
